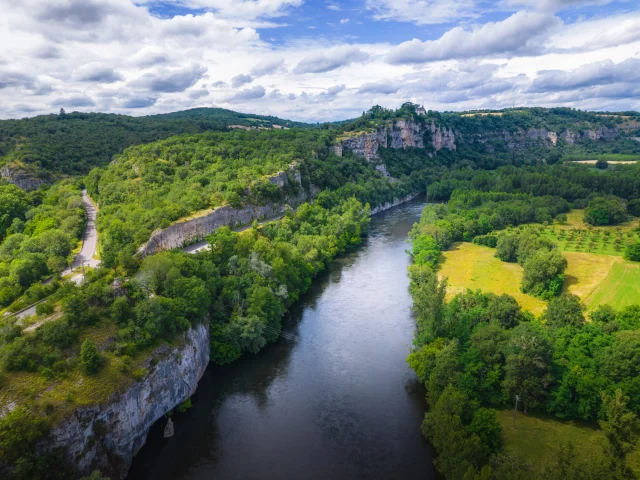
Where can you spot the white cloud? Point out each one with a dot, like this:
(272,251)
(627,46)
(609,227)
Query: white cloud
(521,33)
(240,80)
(247,95)
(331,60)
(267,66)
(422,12)
(344,21)
(164,80)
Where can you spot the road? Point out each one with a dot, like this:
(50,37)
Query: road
(86,254)
(204,244)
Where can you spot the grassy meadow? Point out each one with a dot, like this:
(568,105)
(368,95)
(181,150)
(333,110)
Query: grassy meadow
(535,437)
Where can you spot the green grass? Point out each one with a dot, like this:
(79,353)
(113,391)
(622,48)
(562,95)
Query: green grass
(471,266)
(535,437)
(621,287)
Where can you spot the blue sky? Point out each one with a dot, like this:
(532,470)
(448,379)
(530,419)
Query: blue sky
(316,60)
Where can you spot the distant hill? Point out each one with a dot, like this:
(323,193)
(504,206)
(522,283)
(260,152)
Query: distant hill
(45,147)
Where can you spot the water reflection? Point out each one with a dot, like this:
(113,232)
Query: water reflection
(332,398)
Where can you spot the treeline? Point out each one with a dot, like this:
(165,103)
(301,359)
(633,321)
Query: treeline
(475,353)
(38,232)
(73,143)
(575,183)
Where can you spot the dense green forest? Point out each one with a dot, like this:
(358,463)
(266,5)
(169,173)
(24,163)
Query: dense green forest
(73,143)
(44,230)
(478,351)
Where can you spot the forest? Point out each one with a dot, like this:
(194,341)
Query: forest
(476,351)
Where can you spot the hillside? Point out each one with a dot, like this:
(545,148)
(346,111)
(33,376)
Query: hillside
(43,148)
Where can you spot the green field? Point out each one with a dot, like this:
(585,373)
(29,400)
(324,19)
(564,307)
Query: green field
(471,266)
(535,437)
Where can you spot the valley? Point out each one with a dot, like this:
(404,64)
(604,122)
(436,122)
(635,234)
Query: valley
(210,253)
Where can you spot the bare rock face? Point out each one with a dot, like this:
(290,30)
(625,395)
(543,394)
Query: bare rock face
(185,233)
(106,437)
(400,134)
(20,178)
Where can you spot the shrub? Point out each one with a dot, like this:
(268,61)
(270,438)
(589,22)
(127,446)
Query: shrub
(633,252)
(90,359)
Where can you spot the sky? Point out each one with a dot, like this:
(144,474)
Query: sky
(316,60)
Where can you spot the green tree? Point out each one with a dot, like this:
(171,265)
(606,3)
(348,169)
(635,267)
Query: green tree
(632,251)
(605,211)
(527,367)
(90,359)
(567,309)
(20,430)
(542,274)
(507,248)
(620,427)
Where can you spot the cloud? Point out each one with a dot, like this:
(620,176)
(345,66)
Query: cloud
(323,97)
(240,9)
(140,102)
(332,60)
(47,52)
(522,33)
(96,72)
(267,66)
(599,73)
(384,87)
(219,84)
(344,20)
(195,94)
(422,12)
(170,80)
(556,5)
(74,101)
(240,80)
(247,94)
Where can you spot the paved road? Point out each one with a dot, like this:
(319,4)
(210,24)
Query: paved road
(204,244)
(88,250)
(90,241)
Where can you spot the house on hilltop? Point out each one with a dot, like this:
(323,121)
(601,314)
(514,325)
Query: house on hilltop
(420,110)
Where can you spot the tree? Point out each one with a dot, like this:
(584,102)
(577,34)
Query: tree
(90,360)
(507,248)
(602,164)
(527,367)
(605,211)
(620,427)
(567,309)
(542,274)
(633,251)
(20,430)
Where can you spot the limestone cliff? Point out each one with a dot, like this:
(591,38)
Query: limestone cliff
(399,134)
(189,231)
(108,436)
(412,133)
(20,178)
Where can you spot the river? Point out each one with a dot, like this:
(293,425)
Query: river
(332,399)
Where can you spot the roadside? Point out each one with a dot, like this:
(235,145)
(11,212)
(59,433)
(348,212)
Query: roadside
(84,258)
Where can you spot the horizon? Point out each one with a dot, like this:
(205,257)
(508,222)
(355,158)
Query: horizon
(316,61)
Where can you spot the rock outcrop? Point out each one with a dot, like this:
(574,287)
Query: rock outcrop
(193,230)
(400,134)
(107,436)
(394,203)
(20,178)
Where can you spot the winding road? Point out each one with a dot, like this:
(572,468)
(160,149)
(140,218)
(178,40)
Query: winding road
(85,256)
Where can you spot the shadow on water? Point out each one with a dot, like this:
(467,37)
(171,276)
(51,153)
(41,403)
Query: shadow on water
(333,397)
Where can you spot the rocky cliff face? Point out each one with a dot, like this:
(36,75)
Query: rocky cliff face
(400,134)
(184,233)
(409,133)
(108,436)
(20,178)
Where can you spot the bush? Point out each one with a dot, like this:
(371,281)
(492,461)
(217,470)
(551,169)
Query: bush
(45,308)
(90,359)
(602,164)
(633,252)
(542,274)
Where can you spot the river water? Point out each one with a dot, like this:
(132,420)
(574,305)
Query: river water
(332,399)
